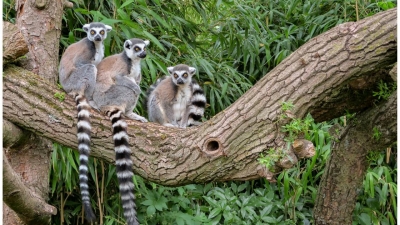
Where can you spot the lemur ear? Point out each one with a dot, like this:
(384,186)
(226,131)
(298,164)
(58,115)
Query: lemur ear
(170,69)
(128,44)
(86,27)
(146,42)
(108,28)
(192,70)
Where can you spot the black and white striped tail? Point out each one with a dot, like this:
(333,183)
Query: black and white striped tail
(124,164)
(83,134)
(198,104)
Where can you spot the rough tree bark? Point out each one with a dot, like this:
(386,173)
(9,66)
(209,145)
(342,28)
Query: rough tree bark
(332,73)
(26,161)
(25,191)
(347,164)
(348,161)
(40,24)
(14,44)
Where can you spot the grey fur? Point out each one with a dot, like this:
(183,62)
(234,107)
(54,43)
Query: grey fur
(116,93)
(77,72)
(118,80)
(77,75)
(177,100)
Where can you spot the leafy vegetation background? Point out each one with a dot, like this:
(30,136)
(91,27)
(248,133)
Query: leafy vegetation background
(232,43)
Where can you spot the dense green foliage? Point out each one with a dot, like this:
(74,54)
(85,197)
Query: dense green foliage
(288,201)
(232,43)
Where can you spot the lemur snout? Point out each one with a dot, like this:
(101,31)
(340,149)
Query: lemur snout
(142,55)
(180,81)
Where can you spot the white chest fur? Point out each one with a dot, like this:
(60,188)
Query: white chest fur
(182,100)
(135,71)
(99,54)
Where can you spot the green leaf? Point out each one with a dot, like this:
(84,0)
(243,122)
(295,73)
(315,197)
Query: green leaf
(110,21)
(286,185)
(215,212)
(385,5)
(242,187)
(122,15)
(299,191)
(151,210)
(220,194)
(371,185)
(392,190)
(71,161)
(269,219)
(147,202)
(365,219)
(179,221)
(266,210)
(126,3)
(234,187)
(154,40)
(211,201)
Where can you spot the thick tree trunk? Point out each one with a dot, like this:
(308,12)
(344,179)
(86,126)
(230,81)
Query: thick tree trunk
(348,162)
(40,24)
(332,73)
(27,164)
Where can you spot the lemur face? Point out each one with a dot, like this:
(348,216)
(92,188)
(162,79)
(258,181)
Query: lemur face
(136,48)
(181,74)
(96,32)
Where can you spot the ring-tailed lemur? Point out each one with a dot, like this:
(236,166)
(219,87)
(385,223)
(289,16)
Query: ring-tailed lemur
(176,100)
(116,94)
(77,75)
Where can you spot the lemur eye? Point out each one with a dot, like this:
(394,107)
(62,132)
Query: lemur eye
(92,32)
(137,49)
(175,75)
(102,32)
(185,75)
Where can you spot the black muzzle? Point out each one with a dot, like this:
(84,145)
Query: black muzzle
(142,55)
(179,81)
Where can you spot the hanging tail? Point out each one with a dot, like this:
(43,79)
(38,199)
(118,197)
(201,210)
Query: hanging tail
(124,164)
(84,150)
(198,104)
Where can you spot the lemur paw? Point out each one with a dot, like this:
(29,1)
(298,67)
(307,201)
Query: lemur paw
(134,116)
(143,120)
(94,106)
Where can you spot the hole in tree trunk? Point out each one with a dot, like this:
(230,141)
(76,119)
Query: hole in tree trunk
(212,146)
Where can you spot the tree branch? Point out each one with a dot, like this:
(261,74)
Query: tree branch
(348,162)
(27,164)
(24,196)
(11,134)
(317,78)
(14,45)
(32,209)
(393,72)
